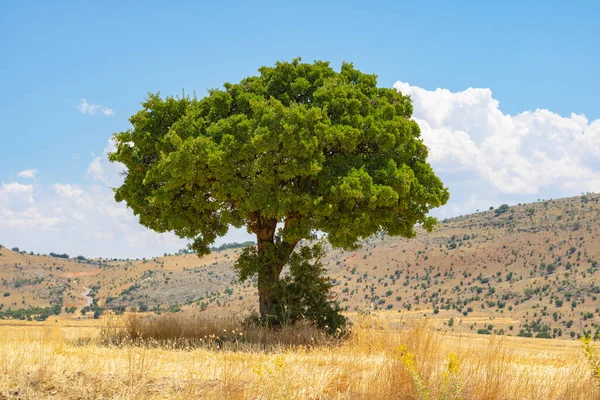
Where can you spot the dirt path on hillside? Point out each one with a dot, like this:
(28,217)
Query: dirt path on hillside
(88,298)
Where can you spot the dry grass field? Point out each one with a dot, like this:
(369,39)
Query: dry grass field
(66,358)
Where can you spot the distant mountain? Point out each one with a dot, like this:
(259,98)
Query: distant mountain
(530,269)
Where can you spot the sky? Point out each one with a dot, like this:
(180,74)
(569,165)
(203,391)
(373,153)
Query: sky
(506,96)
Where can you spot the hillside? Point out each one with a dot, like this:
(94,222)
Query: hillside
(530,269)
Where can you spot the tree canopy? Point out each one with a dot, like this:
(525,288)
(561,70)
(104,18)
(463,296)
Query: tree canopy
(298,149)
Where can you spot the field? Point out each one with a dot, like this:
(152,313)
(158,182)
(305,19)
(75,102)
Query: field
(63,358)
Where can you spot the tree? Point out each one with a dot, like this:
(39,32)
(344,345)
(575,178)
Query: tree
(502,209)
(56,255)
(297,150)
(98,312)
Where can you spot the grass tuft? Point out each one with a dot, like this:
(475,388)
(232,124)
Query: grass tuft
(189,331)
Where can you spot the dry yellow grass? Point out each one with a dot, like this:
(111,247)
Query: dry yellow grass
(374,363)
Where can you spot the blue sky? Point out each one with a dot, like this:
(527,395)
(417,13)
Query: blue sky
(525,55)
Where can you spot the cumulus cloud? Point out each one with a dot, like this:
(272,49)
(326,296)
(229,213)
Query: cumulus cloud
(76,219)
(18,209)
(16,196)
(95,169)
(508,156)
(28,173)
(68,191)
(91,109)
(103,171)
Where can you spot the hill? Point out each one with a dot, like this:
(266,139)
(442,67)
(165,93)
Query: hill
(529,270)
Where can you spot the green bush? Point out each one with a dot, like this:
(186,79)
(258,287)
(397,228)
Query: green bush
(502,209)
(304,293)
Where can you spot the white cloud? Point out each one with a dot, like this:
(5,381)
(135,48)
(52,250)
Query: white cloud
(76,219)
(91,109)
(524,154)
(16,195)
(18,209)
(95,169)
(28,173)
(101,170)
(67,190)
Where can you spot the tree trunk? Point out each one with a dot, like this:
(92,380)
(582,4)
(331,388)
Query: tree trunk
(266,298)
(268,274)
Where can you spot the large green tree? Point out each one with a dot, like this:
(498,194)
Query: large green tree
(297,150)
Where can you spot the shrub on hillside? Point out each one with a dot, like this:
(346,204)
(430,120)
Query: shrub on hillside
(502,209)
